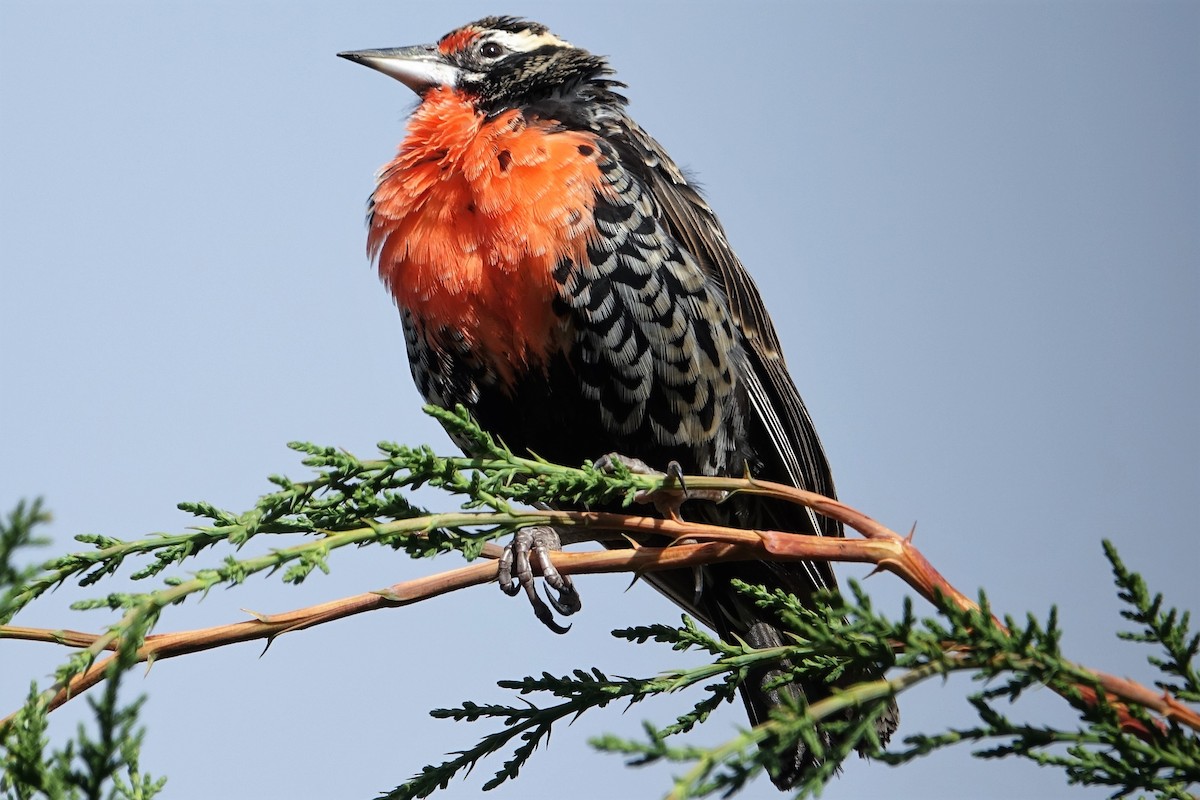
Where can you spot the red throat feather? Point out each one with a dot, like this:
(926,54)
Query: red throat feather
(471,219)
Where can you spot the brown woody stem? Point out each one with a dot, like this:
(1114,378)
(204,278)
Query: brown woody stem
(880,546)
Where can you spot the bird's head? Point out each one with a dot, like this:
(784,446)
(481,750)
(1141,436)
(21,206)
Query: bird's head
(500,62)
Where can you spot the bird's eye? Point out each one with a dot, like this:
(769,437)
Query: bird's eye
(491,50)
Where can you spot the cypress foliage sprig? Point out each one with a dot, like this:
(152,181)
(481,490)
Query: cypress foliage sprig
(1126,737)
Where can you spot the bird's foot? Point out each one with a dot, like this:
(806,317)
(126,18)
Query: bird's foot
(668,497)
(532,546)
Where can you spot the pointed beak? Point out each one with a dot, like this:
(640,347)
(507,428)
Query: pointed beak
(419,67)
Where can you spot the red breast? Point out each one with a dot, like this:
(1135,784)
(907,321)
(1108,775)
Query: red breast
(471,218)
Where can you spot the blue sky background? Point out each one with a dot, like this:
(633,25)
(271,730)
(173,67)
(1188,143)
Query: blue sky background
(977,227)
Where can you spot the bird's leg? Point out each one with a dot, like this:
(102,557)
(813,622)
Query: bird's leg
(667,498)
(537,542)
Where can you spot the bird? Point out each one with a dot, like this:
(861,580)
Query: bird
(563,280)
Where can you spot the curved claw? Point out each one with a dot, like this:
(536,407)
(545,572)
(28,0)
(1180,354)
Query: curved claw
(567,602)
(542,611)
(529,546)
(675,476)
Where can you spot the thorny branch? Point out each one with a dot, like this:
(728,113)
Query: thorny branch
(880,546)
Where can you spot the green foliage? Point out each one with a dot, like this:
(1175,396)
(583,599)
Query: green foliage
(354,503)
(843,638)
(17,535)
(92,766)
(1169,629)
(1101,751)
(103,764)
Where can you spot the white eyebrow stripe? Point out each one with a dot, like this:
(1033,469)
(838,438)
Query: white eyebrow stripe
(525,41)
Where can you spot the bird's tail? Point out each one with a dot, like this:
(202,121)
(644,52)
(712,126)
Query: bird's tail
(765,689)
